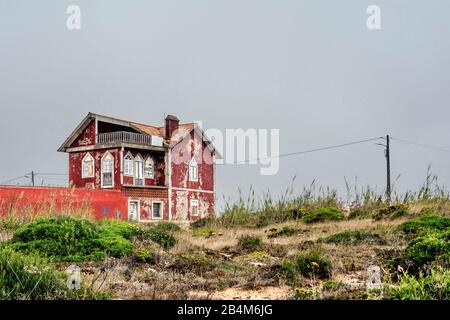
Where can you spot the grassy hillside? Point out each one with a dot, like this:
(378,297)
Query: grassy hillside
(308,246)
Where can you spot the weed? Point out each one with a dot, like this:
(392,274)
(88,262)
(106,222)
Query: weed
(204,231)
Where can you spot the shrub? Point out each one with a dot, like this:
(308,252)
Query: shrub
(250,242)
(331,285)
(204,231)
(304,294)
(162,234)
(358,213)
(425,224)
(354,237)
(313,264)
(323,214)
(145,255)
(393,211)
(70,239)
(430,247)
(285,231)
(29,277)
(288,269)
(202,222)
(432,286)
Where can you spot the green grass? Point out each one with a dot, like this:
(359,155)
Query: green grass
(432,286)
(331,285)
(204,231)
(29,277)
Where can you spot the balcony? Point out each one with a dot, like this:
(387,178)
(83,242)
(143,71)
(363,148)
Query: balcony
(130,138)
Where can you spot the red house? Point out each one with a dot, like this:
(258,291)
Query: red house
(163,172)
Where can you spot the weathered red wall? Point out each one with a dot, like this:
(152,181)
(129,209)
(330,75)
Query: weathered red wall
(87,137)
(181,204)
(33,201)
(75,171)
(187,149)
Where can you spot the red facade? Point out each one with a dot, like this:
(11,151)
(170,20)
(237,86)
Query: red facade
(162,172)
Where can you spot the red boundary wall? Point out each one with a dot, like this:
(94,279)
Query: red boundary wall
(35,201)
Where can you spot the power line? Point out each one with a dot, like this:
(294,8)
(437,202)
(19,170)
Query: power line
(421,145)
(14,179)
(308,151)
(51,174)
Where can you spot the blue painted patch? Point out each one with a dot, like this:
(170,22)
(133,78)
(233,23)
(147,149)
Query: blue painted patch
(105,210)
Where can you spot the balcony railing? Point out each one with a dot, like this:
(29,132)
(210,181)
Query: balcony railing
(129,137)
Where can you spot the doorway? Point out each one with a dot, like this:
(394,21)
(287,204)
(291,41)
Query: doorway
(133,210)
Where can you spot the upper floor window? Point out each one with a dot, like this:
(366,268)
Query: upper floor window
(193,170)
(107,170)
(128,165)
(138,171)
(148,168)
(87,166)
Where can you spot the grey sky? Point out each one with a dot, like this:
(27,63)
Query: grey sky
(310,68)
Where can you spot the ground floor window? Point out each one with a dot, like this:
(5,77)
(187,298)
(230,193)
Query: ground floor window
(194,207)
(133,210)
(157,210)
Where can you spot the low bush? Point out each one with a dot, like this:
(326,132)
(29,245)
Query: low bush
(204,232)
(331,285)
(358,213)
(354,237)
(426,224)
(312,264)
(433,285)
(71,239)
(434,246)
(323,214)
(286,231)
(392,212)
(250,242)
(304,294)
(162,234)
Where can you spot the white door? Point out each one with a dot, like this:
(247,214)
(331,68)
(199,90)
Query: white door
(133,210)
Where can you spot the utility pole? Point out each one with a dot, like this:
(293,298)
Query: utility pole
(32,178)
(388,169)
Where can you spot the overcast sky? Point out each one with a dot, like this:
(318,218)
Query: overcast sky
(309,68)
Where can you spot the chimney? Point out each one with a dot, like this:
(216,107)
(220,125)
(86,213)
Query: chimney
(171,125)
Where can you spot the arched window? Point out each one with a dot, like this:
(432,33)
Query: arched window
(107,170)
(138,171)
(148,168)
(87,166)
(128,165)
(193,170)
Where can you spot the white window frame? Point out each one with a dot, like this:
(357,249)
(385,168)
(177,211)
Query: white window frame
(107,155)
(194,203)
(193,164)
(149,176)
(86,158)
(138,159)
(161,212)
(138,209)
(131,165)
